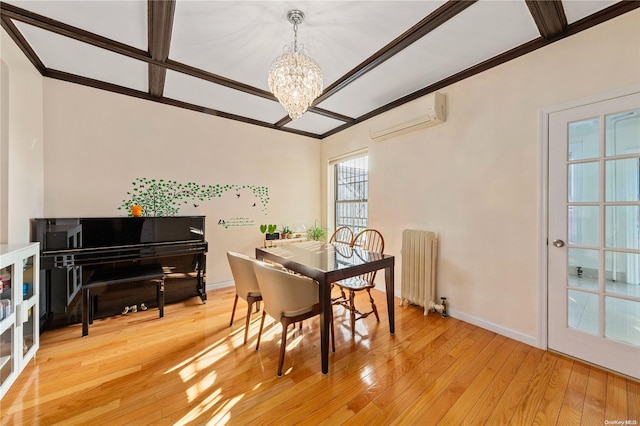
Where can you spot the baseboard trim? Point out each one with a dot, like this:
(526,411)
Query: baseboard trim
(504,331)
(220,284)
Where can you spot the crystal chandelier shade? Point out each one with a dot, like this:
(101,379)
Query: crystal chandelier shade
(295,78)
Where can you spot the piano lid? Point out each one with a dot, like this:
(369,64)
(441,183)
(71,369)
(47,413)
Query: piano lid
(100,232)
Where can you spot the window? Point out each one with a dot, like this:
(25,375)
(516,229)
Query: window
(351,179)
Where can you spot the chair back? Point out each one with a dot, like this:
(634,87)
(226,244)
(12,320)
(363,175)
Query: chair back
(244,275)
(284,293)
(343,235)
(369,240)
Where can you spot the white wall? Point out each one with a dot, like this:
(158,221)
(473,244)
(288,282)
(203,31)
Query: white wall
(98,143)
(475,179)
(21,134)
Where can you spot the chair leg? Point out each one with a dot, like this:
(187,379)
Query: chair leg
(246,326)
(233,312)
(373,305)
(283,346)
(352,309)
(264,314)
(251,300)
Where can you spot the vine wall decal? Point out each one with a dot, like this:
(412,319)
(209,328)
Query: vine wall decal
(160,197)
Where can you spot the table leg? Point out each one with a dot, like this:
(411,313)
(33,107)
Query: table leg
(85,311)
(160,297)
(388,277)
(325,318)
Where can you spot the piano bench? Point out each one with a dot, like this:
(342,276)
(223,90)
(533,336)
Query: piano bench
(108,277)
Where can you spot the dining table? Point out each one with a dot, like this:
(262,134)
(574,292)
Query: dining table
(327,263)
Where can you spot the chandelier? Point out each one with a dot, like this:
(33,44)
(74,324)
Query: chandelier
(295,78)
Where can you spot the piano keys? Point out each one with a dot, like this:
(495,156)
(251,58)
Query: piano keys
(71,249)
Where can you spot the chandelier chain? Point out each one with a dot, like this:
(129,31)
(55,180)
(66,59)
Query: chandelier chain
(295,37)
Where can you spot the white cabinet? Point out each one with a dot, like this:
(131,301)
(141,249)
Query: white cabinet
(19,299)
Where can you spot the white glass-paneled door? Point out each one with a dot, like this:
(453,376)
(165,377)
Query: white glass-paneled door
(594,233)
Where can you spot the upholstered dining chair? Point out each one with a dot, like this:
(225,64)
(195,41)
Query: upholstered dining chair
(369,240)
(246,284)
(343,235)
(288,298)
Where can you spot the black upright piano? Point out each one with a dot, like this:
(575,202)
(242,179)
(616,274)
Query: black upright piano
(72,249)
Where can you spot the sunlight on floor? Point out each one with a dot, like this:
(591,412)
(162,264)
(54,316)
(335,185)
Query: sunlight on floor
(365,375)
(196,356)
(218,416)
(201,386)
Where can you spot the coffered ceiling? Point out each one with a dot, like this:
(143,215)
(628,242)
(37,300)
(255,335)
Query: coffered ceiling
(213,56)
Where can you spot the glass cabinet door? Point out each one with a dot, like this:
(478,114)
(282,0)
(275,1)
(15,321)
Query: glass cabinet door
(27,278)
(28,334)
(7,364)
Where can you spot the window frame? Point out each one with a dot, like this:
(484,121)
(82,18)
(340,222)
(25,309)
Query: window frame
(359,184)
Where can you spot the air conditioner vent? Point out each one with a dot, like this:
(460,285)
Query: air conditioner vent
(434,113)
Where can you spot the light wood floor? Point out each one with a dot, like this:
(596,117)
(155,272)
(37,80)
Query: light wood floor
(190,368)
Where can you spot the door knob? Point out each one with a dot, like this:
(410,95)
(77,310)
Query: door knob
(558,243)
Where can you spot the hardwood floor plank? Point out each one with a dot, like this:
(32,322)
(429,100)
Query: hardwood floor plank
(487,402)
(616,409)
(470,393)
(516,390)
(595,397)
(526,410)
(191,368)
(573,402)
(633,400)
(549,407)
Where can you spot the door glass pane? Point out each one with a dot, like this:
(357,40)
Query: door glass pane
(583,223)
(622,273)
(583,182)
(582,311)
(622,320)
(582,269)
(622,180)
(584,139)
(622,226)
(623,133)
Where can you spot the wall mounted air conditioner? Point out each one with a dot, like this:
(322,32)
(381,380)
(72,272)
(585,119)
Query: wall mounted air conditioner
(433,112)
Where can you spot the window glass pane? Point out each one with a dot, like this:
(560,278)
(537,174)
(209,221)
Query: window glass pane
(622,228)
(622,180)
(622,273)
(584,139)
(582,269)
(623,133)
(621,320)
(582,311)
(352,193)
(583,182)
(583,222)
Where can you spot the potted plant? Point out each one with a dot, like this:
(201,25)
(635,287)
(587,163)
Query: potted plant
(270,232)
(316,232)
(286,231)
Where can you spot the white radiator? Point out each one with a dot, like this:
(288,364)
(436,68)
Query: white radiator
(419,255)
